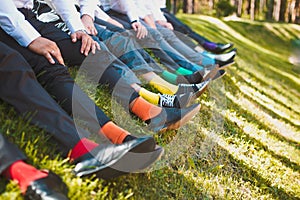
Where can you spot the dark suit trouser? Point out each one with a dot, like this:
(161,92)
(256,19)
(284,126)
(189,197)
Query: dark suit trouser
(20,88)
(9,153)
(56,79)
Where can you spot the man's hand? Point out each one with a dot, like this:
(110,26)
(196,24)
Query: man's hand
(165,24)
(89,24)
(140,30)
(47,48)
(88,44)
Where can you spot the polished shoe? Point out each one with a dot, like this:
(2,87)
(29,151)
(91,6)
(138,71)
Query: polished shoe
(48,188)
(175,101)
(209,72)
(223,65)
(141,162)
(196,77)
(220,48)
(172,118)
(196,89)
(147,146)
(107,158)
(224,57)
(220,74)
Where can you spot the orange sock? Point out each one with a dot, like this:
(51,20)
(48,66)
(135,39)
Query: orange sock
(113,132)
(144,110)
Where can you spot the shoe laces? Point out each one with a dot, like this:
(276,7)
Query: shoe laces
(166,100)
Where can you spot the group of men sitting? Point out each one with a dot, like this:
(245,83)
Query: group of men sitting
(109,39)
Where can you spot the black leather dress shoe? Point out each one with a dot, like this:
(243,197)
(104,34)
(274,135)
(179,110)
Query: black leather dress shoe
(220,74)
(196,77)
(226,56)
(106,159)
(147,146)
(172,118)
(221,48)
(48,188)
(132,163)
(223,65)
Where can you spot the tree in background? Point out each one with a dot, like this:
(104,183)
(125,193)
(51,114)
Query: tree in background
(272,10)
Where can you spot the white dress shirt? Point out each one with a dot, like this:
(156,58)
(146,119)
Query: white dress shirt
(91,8)
(154,8)
(13,22)
(128,7)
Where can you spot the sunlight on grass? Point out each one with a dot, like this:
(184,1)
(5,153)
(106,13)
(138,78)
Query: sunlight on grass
(275,125)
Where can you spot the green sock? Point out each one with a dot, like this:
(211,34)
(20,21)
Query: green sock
(170,77)
(182,71)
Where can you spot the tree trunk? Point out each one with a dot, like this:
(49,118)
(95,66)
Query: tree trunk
(252,10)
(276,11)
(261,6)
(270,4)
(239,8)
(283,11)
(188,6)
(174,7)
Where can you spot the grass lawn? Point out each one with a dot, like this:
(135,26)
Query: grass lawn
(244,144)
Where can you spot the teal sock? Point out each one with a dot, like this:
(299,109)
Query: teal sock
(183,71)
(170,77)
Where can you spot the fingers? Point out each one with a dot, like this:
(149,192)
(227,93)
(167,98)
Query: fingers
(57,55)
(141,32)
(92,30)
(88,44)
(74,37)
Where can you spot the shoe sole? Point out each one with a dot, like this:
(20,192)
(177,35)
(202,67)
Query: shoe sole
(199,92)
(220,74)
(183,120)
(131,163)
(211,74)
(226,65)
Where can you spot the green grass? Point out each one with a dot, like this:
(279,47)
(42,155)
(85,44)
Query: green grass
(244,144)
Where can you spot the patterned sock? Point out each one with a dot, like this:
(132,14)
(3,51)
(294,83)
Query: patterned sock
(113,132)
(144,110)
(149,96)
(24,174)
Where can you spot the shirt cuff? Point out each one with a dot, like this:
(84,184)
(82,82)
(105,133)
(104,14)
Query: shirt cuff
(88,11)
(99,13)
(25,34)
(74,24)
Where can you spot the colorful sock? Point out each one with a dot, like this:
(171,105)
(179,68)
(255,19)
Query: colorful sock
(170,77)
(163,86)
(209,46)
(114,133)
(183,71)
(82,147)
(197,68)
(149,96)
(24,174)
(144,110)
